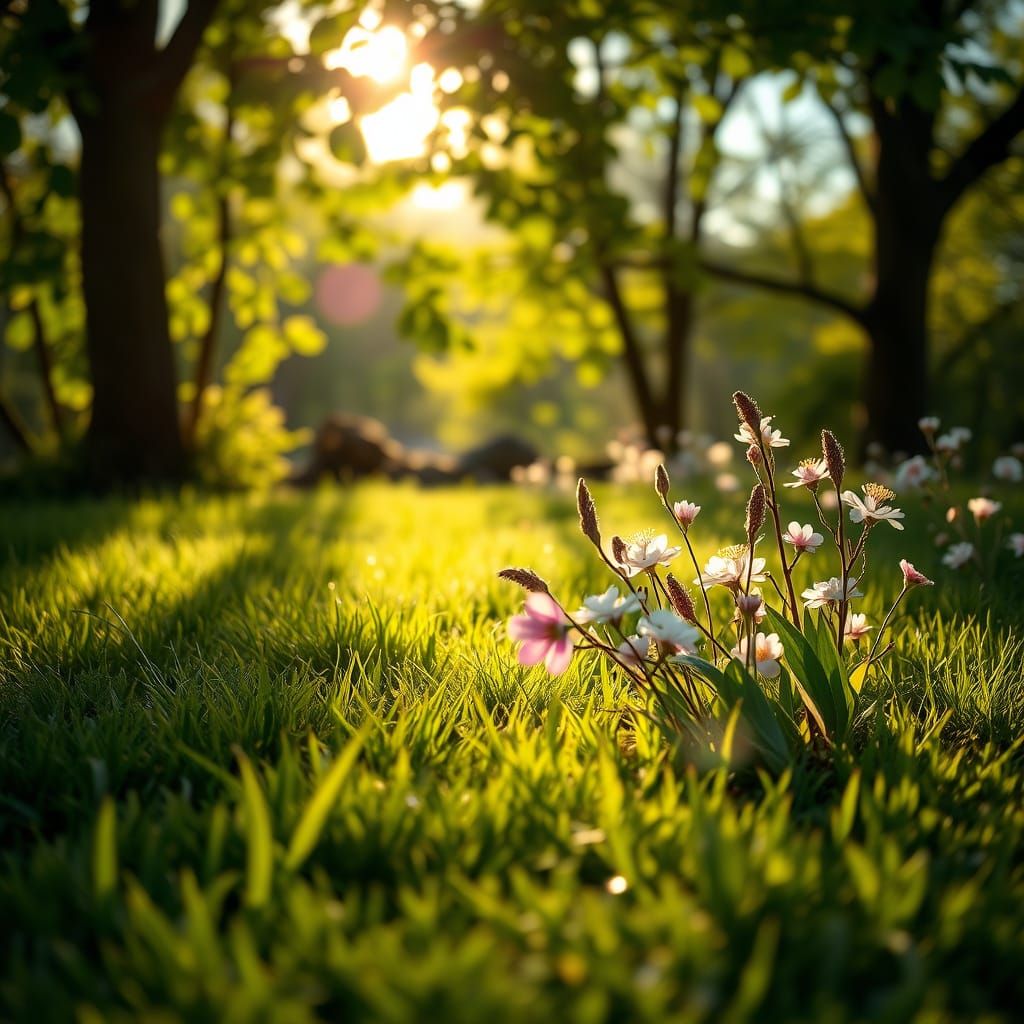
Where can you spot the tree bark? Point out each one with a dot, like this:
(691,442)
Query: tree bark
(134,432)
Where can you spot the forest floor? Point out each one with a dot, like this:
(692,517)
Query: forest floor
(273,758)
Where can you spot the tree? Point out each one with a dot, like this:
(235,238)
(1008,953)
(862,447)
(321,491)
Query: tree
(928,148)
(566,92)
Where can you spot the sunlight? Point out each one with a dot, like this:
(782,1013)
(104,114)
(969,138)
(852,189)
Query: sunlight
(449,196)
(380,55)
(399,130)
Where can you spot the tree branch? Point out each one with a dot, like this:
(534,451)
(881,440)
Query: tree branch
(802,289)
(990,147)
(851,152)
(174,60)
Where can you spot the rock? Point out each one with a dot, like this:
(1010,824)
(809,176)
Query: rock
(351,447)
(494,461)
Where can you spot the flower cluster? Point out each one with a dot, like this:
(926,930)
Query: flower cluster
(973,534)
(647,623)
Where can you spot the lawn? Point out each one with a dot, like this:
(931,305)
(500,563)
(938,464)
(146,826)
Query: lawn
(274,759)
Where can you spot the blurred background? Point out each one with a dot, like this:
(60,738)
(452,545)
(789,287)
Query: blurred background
(230,227)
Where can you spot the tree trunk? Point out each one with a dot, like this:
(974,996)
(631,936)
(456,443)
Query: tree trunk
(134,431)
(907,223)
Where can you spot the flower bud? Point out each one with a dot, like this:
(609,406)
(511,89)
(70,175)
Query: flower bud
(754,455)
(756,507)
(749,604)
(661,481)
(748,411)
(682,603)
(525,578)
(832,450)
(588,513)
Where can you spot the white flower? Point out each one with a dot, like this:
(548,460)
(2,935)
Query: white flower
(961,434)
(857,627)
(953,440)
(928,424)
(914,472)
(1008,468)
(647,552)
(803,538)
(730,569)
(668,630)
(872,507)
(772,438)
(1015,542)
(632,651)
(983,508)
(767,651)
(607,607)
(809,474)
(830,591)
(958,555)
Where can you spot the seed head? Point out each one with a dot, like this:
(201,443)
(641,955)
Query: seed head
(661,481)
(682,603)
(525,578)
(748,411)
(832,450)
(588,513)
(756,507)
(618,549)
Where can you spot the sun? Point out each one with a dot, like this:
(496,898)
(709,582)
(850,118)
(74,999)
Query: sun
(381,54)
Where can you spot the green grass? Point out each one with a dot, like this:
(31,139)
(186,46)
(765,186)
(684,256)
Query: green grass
(229,792)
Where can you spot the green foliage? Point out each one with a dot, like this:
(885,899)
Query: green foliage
(242,439)
(322,803)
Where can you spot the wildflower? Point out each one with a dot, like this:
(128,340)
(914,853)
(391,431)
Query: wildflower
(953,440)
(669,632)
(961,434)
(544,634)
(914,472)
(809,474)
(913,577)
(829,592)
(928,425)
(835,457)
(983,508)
(803,538)
(661,481)
(680,599)
(645,553)
(747,409)
(730,566)
(857,626)
(610,606)
(756,510)
(588,513)
(872,507)
(632,651)
(772,438)
(751,606)
(1008,468)
(958,555)
(685,513)
(767,651)
(1015,542)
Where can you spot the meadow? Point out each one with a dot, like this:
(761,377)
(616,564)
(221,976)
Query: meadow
(272,758)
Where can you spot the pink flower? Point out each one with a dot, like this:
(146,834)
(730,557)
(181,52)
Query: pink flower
(803,538)
(809,474)
(983,508)
(767,651)
(685,512)
(1015,542)
(1008,468)
(751,606)
(543,633)
(913,578)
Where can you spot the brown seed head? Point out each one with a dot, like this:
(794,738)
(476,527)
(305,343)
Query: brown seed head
(756,508)
(525,578)
(618,549)
(832,450)
(661,481)
(682,603)
(588,513)
(748,411)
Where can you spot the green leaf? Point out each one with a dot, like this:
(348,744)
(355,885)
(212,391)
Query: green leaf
(808,674)
(258,836)
(304,336)
(10,133)
(314,816)
(104,850)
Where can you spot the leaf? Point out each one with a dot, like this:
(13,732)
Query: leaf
(807,673)
(258,836)
(304,336)
(104,850)
(314,816)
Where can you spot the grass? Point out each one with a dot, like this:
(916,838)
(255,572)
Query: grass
(230,791)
